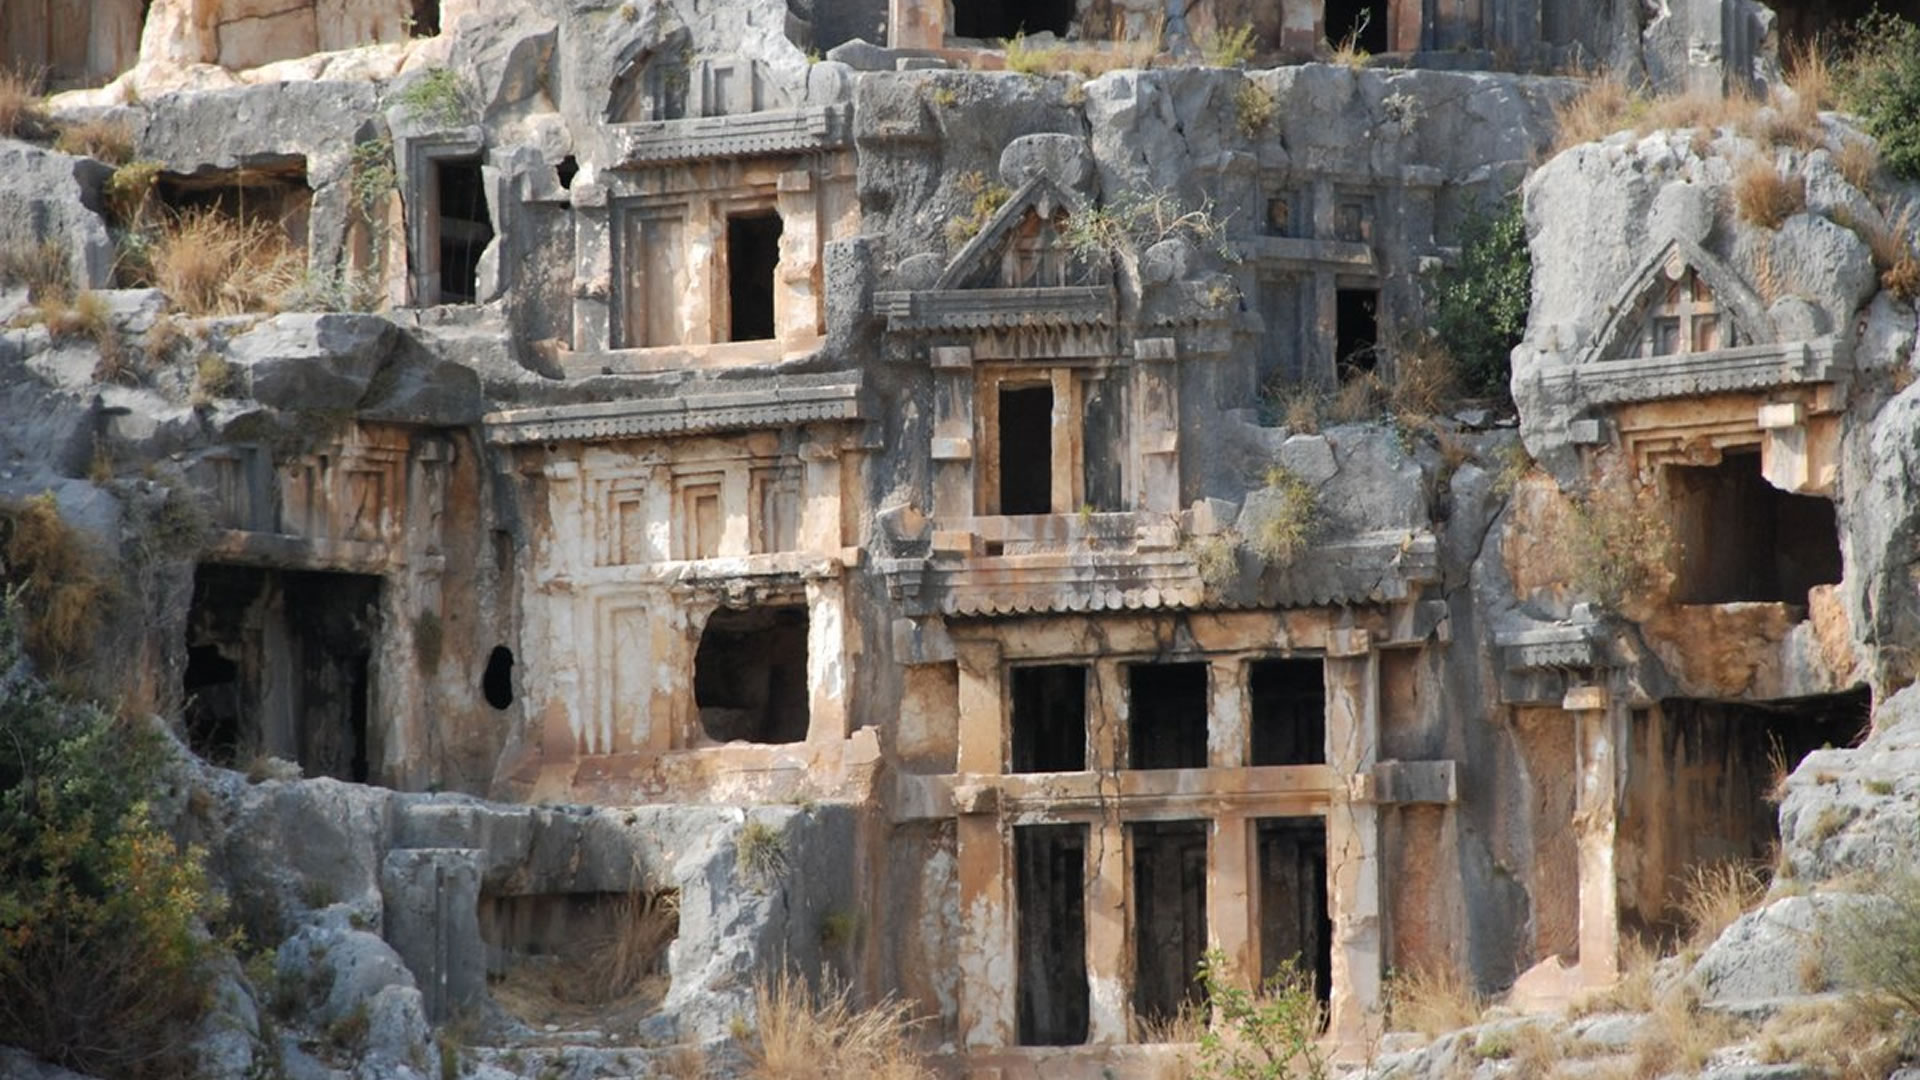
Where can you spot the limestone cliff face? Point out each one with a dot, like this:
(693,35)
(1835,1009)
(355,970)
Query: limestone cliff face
(970,529)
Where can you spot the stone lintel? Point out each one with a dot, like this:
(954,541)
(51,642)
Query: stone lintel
(768,133)
(1585,699)
(730,410)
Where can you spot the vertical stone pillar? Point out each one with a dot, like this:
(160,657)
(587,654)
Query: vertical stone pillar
(1157,424)
(1232,899)
(1066,423)
(430,899)
(988,965)
(953,432)
(1229,734)
(829,660)
(1109,950)
(1594,820)
(1353,836)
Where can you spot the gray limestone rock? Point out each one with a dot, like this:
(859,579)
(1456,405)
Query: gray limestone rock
(432,899)
(313,362)
(1858,810)
(47,197)
(1777,951)
(1062,159)
(333,972)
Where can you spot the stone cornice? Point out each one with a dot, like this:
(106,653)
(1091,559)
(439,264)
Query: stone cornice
(772,133)
(734,410)
(1751,367)
(933,310)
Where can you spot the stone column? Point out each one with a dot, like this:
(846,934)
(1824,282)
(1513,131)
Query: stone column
(988,966)
(1353,836)
(829,666)
(1594,819)
(1066,424)
(953,433)
(1232,899)
(430,903)
(1109,949)
(1229,735)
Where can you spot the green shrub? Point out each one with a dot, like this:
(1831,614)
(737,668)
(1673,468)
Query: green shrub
(760,854)
(1620,546)
(436,98)
(103,966)
(1478,307)
(1281,527)
(1272,1034)
(1877,79)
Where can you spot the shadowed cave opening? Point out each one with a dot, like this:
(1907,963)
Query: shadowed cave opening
(1364,21)
(1049,880)
(1289,699)
(753,255)
(279,662)
(1701,782)
(750,674)
(1294,922)
(1049,718)
(1026,448)
(1167,716)
(462,228)
(1357,331)
(496,683)
(1742,539)
(992,19)
(1170,915)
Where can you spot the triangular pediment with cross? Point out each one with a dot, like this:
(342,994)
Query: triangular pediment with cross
(1682,299)
(1024,245)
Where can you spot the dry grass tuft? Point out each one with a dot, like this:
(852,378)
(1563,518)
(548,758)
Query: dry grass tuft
(108,140)
(1602,108)
(22,116)
(1282,527)
(1433,1001)
(1859,161)
(617,964)
(1854,1039)
(1086,60)
(1348,53)
(1678,1036)
(1764,197)
(43,268)
(1712,897)
(209,263)
(1426,379)
(1810,77)
(1186,1025)
(1359,398)
(804,1036)
(1632,991)
(63,591)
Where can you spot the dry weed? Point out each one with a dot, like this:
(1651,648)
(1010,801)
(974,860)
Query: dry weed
(1359,398)
(1425,377)
(103,138)
(1632,991)
(22,116)
(43,268)
(1764,197)
(1713,896)
(1810,78)
(1602,108)
(806,1036)
(1859,161)
(1347,52)
(1678,1036)
(209,263)
(1433,1001)
(1186,1025)
(616,964)
(1852,1039)
(63,591)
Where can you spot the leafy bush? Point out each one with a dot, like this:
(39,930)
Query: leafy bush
(1272,1034)
(1877,79)
(436,98)
(1620,545)
(56,591)
(1479,305)
(103,966)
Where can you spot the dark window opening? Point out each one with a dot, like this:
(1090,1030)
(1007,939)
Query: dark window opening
(1357,329)
(280,663)
(1279,216)
(568,168)
(753,253)
(1169,915)
(1049,883)
(425,19)
(1167,716)
(1049,718)
(1289,714)
(550,938)
(1026,449)
(496,683)
(1698,787)
(1294,924)
(464,228)
(991,19)
(1364,22)
(1742,539)
(213,711)
(1804,23)
(750,675)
